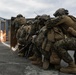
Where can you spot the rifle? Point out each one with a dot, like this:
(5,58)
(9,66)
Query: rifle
(23,48)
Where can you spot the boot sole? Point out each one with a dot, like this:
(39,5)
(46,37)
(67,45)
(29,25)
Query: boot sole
(72,71)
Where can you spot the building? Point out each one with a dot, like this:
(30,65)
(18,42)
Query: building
(4,29)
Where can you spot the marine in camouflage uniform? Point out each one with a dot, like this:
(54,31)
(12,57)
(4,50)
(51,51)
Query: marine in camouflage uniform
(37,42)
(38,24)
(18,22)
(65,21)
(44,47)
(51,36)
(22,38)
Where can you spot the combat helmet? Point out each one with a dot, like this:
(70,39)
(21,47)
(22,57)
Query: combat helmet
(60,12)
(45,17)
(37,17)
(19,15)
(29,22)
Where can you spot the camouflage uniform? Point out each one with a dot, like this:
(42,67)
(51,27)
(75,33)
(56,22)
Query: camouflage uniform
(51,36)
(18,21)
(37,41)
(20,35)
(38,24)
(61,47)
(22,38)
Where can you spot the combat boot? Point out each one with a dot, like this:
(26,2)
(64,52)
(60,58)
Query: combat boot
(70,69)
(54,59)
(34,57)
(46,64)
(38,61)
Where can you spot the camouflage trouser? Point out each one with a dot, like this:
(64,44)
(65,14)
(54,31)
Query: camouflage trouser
(36,51)
(62,46)
(46,48)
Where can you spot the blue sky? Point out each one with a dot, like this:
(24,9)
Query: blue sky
(31,8)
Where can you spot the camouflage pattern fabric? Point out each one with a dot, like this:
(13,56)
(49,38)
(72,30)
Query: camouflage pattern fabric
(62,46)
(53,35)
(23,33)
(38,42)
(23,39)
(20,21)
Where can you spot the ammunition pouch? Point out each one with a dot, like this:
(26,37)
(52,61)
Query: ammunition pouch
(58,34)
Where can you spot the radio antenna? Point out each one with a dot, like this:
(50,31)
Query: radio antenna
(35,12)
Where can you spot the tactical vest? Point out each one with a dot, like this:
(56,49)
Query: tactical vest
(53,35)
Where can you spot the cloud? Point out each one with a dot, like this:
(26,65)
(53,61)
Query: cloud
(30,8)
